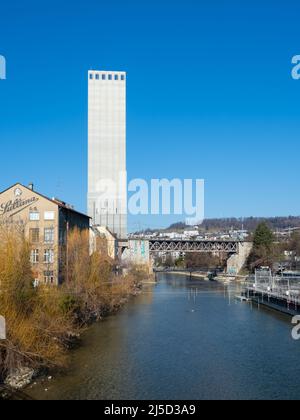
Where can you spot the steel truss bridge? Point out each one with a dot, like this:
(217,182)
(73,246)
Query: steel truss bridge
(169,245)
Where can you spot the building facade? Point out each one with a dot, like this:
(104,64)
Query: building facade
(46,224)
(107,176)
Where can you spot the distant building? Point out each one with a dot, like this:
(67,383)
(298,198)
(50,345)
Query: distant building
(103,241)
(46,225)
(107,177)
(171,235)
(191,233)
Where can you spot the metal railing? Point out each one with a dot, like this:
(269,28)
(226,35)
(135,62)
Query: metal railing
(170,245)
(278,287)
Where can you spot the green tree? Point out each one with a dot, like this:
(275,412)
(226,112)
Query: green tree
(263,237)
(294,244)
(179,263)
(264,250)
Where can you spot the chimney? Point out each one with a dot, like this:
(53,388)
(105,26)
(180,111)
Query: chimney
(31,186)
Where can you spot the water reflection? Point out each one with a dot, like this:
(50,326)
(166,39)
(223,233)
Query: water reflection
(184,339)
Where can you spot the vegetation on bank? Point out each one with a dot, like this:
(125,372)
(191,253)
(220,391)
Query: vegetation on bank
(193,260)
(267,250)
(42,321)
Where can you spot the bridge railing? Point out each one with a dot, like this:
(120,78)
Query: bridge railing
(168,245)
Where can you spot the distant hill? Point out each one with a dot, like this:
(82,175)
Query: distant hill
(249,223)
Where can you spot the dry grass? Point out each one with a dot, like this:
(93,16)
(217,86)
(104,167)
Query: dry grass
(35,326)
(40,321)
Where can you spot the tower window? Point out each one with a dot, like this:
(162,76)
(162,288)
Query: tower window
(34,235)
(91,77)
(49,235)
(97,76)
(49,277)
(49,215)
(103,77)
(34,216)
(116,77)
(34,257)
(48,256)
(122,77)
(109,77)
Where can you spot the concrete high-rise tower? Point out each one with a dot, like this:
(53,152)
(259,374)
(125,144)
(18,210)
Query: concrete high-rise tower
(107,176)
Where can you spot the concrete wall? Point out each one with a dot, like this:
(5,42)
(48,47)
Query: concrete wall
(237,261)
(99,233)
(107,190)
(138,252)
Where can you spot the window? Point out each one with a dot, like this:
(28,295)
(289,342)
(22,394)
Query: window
(109,77)
(49,235)
(97,76)
(122,77)
(116,77)
(34,216)
(49,277)
(49,215)
(48,256)
(34,235)
(103,77)
(34,257)
(91,77)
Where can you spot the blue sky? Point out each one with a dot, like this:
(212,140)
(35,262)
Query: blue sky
(210,95)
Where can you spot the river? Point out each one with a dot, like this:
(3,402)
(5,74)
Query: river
(183,339)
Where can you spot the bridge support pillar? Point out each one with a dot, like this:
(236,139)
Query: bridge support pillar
(138,253)
(237,261)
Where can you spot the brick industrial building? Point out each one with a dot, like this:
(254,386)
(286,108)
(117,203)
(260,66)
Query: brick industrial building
(46,225)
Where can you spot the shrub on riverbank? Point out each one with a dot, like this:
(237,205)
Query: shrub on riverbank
(36,327)
(91,284)
(42,321)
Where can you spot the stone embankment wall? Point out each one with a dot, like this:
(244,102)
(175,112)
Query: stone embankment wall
(236,262)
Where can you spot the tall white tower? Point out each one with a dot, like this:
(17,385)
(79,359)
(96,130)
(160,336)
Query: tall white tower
(107,178)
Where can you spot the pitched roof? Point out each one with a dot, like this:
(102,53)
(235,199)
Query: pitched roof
(54,201)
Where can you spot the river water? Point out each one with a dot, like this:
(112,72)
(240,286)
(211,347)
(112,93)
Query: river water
(183,339)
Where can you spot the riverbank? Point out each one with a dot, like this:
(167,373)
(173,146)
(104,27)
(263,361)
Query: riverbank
(183,339)
(43,322)
(20,378)
(199,275)
(40,338)
(203,276)
(9,394)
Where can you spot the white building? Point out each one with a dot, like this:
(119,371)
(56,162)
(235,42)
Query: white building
(107,176)
(191,233)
